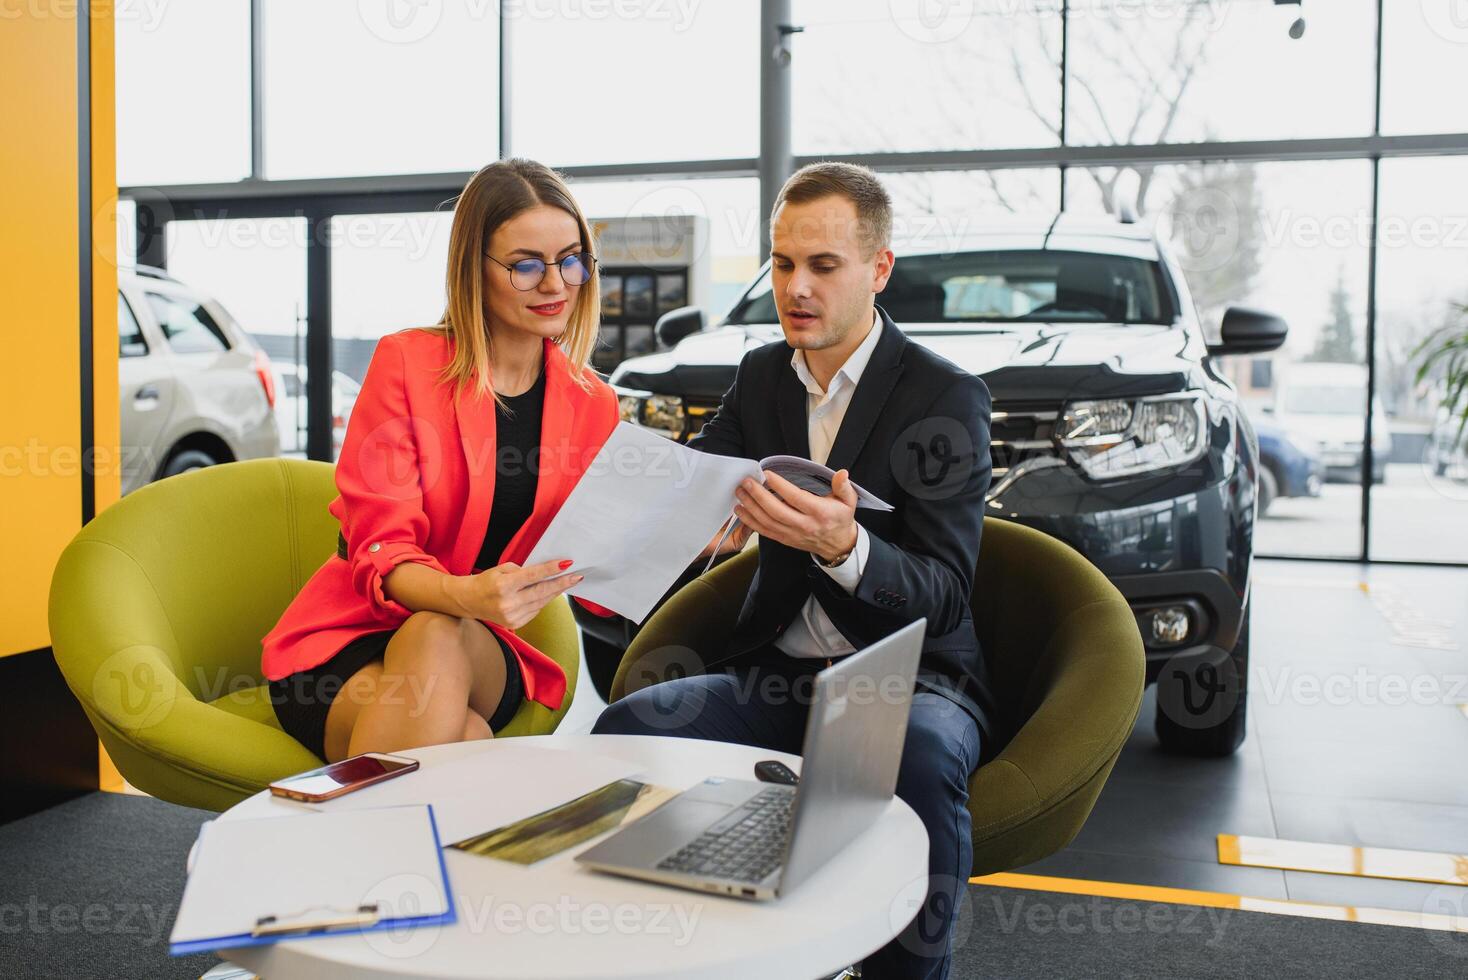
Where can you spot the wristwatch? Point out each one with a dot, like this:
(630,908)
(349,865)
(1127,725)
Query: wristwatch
(835,561)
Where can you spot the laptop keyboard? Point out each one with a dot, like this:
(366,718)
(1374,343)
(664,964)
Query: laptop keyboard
(746,845)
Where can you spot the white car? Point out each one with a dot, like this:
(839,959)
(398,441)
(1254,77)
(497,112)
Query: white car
(290,406)
(1322,406)
(195,389)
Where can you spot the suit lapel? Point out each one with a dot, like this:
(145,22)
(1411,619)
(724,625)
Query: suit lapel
(877,381)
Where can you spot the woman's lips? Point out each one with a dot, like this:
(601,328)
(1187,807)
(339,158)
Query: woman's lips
(549,309)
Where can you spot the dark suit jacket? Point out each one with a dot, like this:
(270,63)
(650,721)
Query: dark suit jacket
(916,434)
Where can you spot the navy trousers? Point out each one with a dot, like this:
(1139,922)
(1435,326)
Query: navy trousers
(767,706)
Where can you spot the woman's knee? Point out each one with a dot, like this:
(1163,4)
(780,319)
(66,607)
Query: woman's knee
(430,645)
(475,726)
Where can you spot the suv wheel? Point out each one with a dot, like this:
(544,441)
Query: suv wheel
(185,460)
(1201,704)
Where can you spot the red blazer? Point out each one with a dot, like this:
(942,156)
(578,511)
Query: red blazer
(416,480)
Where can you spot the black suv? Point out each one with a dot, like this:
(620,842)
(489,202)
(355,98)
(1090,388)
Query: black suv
(1113,430)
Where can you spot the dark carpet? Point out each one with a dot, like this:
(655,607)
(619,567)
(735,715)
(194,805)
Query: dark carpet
(90,888)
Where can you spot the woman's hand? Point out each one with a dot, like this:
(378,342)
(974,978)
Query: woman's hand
(508,594)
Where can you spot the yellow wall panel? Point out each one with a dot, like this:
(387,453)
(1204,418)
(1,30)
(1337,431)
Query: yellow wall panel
(41,460)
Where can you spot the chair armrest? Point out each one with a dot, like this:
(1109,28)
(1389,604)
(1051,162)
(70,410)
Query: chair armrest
(1091,673)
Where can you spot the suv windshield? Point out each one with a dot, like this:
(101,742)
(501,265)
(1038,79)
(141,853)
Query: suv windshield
(1006,287)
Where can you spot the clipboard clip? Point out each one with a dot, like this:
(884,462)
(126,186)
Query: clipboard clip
(272,925)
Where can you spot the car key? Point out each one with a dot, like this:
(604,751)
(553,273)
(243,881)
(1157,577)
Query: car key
(770,771)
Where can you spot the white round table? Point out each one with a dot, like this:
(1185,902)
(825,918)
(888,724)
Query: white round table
(555,919)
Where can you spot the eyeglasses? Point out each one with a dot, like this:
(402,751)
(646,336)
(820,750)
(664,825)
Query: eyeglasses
(526,274)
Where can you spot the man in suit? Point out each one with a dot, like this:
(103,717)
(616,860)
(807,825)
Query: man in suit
(848,389)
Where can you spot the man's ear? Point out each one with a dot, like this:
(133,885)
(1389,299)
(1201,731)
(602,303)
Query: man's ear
(883,261)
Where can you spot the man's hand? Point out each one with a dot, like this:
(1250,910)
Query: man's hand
(734,542)
(823,526)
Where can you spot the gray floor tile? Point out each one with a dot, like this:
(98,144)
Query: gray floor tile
(1372,823)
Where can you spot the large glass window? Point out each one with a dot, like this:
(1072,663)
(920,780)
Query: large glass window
(1420,511)
(387,274)
(730,206)
(1291,238)
(931,209)
(1183,71)
(881,75)
(380,88)
(1424,54)
(638,80)
(183,92)
(256,269)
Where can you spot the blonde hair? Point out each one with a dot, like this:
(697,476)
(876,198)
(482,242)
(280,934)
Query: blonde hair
(498,192)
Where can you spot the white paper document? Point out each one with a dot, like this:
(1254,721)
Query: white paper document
(310,869)
(468,794)
(640,514)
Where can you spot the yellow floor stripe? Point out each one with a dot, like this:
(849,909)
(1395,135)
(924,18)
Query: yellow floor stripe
(1432,867)
(1223,900)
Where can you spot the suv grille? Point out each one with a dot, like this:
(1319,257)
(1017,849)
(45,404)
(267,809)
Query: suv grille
(1018,432)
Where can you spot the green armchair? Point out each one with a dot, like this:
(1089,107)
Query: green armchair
(1068,669)
(157,608)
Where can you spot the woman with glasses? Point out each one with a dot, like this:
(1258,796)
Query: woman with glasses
(464,441)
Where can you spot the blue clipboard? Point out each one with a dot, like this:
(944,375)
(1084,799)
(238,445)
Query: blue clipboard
(304,923)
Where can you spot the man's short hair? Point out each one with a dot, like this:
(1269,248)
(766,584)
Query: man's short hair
(857,184)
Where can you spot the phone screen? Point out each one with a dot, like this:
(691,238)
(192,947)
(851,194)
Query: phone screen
(338,774)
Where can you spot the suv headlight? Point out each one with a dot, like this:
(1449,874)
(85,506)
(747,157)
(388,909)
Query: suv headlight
(663,414)
(1117,437)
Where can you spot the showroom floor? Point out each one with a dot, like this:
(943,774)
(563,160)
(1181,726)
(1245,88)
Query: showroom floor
(1358,735)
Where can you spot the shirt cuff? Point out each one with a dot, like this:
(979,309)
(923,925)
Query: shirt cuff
(848,573)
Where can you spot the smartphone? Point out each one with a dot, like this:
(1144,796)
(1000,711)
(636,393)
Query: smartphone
(329,782)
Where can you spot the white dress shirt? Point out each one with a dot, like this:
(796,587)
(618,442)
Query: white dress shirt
(812,634)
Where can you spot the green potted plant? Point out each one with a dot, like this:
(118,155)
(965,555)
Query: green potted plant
(1445,352)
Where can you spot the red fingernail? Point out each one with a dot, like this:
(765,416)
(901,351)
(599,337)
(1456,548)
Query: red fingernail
(566,564)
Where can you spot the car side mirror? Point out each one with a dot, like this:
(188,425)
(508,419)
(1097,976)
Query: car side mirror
(674,325)
(1249,331)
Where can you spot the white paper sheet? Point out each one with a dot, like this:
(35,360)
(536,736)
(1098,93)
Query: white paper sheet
(290,866)
(639,515)
(471,795)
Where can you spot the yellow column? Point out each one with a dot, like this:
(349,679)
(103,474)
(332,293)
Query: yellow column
(51,190)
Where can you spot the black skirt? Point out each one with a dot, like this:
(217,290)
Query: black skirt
(302,699)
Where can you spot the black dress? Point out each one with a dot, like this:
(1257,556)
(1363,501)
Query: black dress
(302,699)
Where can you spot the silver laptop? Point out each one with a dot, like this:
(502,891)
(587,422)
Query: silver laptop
(758,840)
